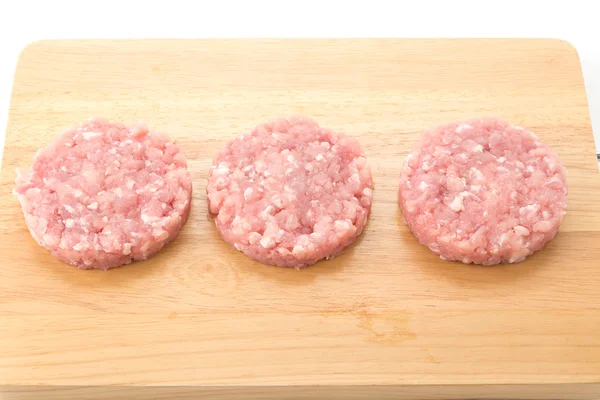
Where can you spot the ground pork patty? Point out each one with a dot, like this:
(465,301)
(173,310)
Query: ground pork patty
(103,194)
(483,192)
(290,192)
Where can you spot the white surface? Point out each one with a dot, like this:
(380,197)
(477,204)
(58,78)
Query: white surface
(26,21)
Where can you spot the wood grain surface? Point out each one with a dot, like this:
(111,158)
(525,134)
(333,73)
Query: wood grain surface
(387,318)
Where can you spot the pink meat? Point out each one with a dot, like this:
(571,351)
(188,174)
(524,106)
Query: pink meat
(102,194)
(290,192)
(483,192)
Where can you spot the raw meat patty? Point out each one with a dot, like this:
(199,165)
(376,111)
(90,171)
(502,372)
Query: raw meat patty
(483,192)
(103,194)
(290,192)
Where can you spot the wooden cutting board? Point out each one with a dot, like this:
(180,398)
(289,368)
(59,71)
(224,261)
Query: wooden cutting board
(387,319)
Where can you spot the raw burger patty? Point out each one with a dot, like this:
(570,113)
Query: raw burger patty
(102,194)
(483,192)
(290,192)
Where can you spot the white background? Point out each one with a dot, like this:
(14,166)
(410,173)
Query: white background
(23,21)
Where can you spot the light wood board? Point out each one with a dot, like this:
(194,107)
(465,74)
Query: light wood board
(387,317)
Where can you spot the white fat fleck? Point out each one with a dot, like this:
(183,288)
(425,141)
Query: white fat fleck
(476,187)
(93,206)
(267,212)
(221,170)
(319,157)
(478,148)
(159,233)
(130,184)
(247,193)
(485,213)
(63,168)
(112,150)
(254,238)
(478,174)
(160,222)
(341,225)
(354,179)
(462,127)
(546,214)
(289,171)
(149,219)
(267,242)
(521,230)
(423,185)
(457,204)
(542,226)
(550,163)
(237,246)
(119,192)
(89,135)
(502,239)
(77,193)
(531,208)
(316,236)
(290,158)
(126,249)
(529,168)
(105,219)
(501,159)
(297,250)
(221,183)
(426,166)
(80,246)
(308,167)
(277,201)
(267,173)
(69,208)
(69,223)
(367,192)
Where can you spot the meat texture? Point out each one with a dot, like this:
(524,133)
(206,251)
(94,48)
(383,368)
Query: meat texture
(483,192)
(290,192)
(102,194)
